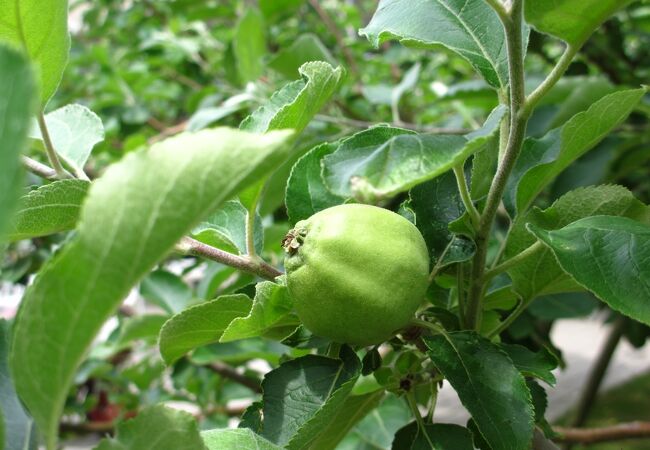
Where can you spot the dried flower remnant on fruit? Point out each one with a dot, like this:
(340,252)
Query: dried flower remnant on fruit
(293,240)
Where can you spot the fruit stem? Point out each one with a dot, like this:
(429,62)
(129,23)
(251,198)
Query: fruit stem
(256,266)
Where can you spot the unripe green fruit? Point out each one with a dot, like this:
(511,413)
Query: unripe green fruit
(356,273)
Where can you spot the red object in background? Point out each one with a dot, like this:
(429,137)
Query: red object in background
(104,411)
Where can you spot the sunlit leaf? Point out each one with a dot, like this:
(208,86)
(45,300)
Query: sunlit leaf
(133,216)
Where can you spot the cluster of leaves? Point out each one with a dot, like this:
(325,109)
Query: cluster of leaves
(157,207)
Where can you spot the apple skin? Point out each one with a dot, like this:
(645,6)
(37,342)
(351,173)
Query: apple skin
(356,273)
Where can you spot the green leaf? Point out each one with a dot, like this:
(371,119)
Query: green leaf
(16,99)
(468,27)
(249,45)
(295,104)
(408,82)
(302,396)
(355,408)
(381,162)
(532,364)
(271,316)
(438,436)
(276,9)
(133,216)
(542,160)
(144,327)
(540,273)
(610,256)
(166,290)
(74,130)
(436,204)
(50,209)
(156,428)
(200,325)
(377,430)
(564,306)
(489,386)
(573,21)
(19,429)
(307,47)
(306,191)
(41,30)
(484,167)
(226,229)
(237,439)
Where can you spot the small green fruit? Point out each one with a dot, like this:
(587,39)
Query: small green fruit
(356,273)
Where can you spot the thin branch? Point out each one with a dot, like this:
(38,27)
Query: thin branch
(562,65)
(256,266)
(230,373)
(332,27)
(49,148)
(39,169)
(354,123)
(518,122)
(597,373)
(504,266)
(622,431)
(521,307)
(474,215)
(167,132)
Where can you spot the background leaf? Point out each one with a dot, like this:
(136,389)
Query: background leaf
(295,104)
(249,45)
(302,396)
(271,315)
(74,130)
(149,200)
(470,28)
(166,290)
(240,439)
(540,274)
(489,386)
(355,408)
(50,209)
(200,325)
(542,160)
(307,47)
(532,364)
(41,30)
(381,162)
(156,428)
(436,204)
(306,191)
(16,99)
(438,436)
(608,255)
(570,20)
(226,229)
(19,428)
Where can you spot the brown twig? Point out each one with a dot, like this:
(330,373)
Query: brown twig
(167,132)
(622,431)
(256,266)
(230,373)
(38,168)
